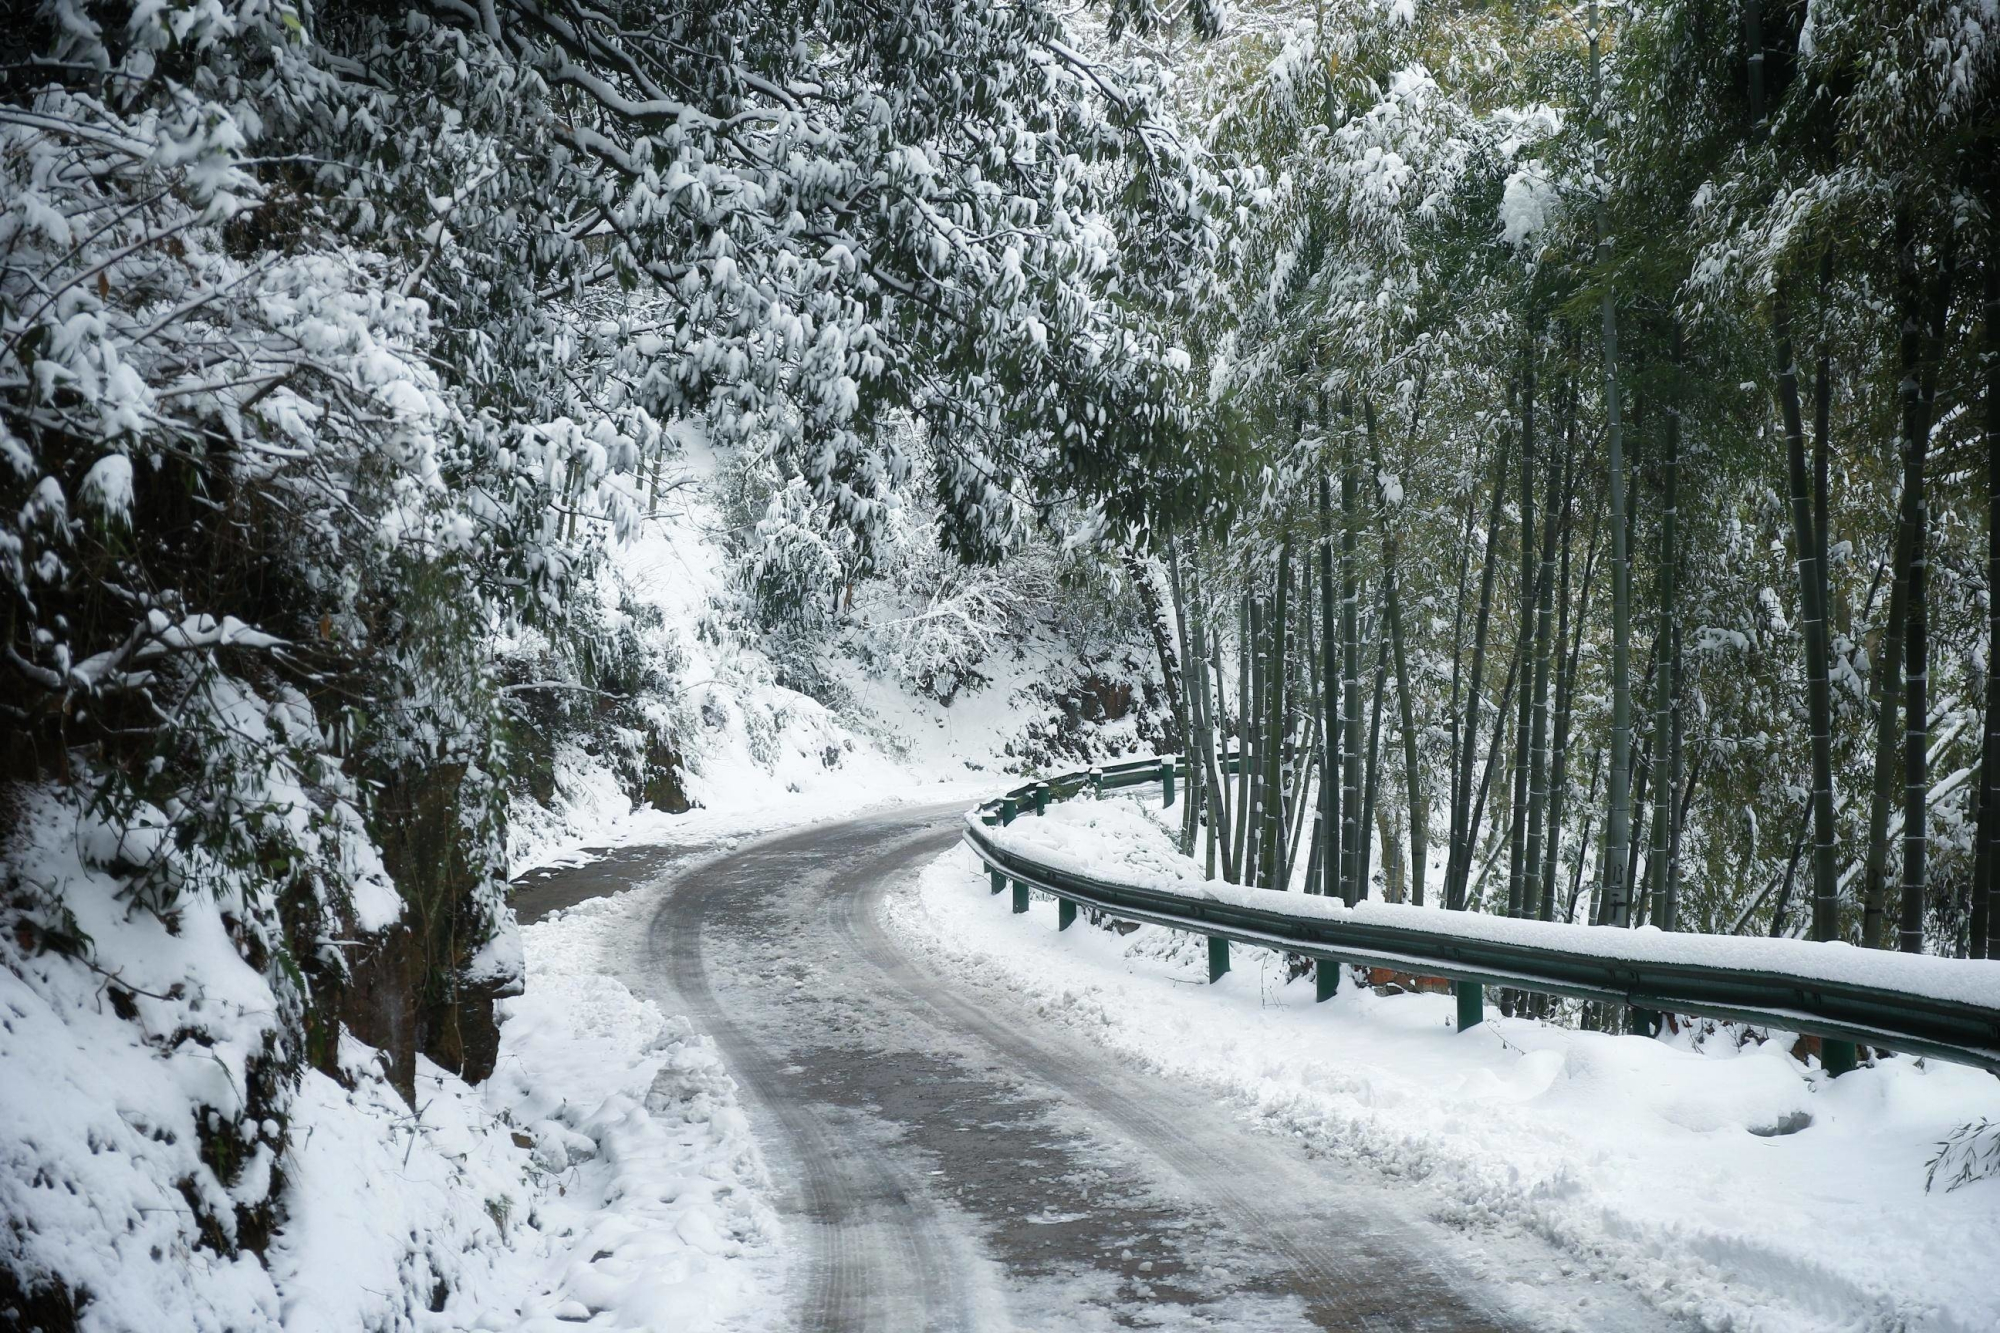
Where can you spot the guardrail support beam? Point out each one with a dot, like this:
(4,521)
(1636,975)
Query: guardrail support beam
(1020,897)
(1065,914)
(1471,1003)
(1097,782)
(1218,958)
(1326,980)
(1041,798)
(1836,1057)
(1167,781)
(999,880)
(1008,810)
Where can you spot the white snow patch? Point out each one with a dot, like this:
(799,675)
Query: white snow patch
(1642,1160)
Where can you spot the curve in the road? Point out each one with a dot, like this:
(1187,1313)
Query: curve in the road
(960,1169)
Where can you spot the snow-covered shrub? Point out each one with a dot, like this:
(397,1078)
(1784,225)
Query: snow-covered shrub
(948,619)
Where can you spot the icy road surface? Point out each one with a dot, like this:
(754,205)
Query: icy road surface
(948,1166)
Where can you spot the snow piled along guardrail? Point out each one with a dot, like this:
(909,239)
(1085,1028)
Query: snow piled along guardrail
(1945,1007)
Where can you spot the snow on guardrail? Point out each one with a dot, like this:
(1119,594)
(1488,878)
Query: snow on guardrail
(1924,1005)
(1078,849)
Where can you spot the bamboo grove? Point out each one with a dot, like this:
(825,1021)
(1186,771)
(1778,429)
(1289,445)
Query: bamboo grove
(1622,395)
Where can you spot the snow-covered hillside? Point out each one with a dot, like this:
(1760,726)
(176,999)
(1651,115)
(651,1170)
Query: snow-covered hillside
(1041,679)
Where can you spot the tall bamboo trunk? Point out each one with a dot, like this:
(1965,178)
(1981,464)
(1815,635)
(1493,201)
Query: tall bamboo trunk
(1986,932)
(1350,654)
(1230,796)
(1455,714)
(1277,876)
(1535,893)
(1812,605)
(1500,738)
(1666,687)
(1517,815)
(1459,865)
(1249,698)
(1193,807)
(1583,839)
(1371,781)
(1307,763)
(1889,702)
(1685,798)
(1406,709)
(1922,337)
(1618,824)
(1330,737)
(1571,649)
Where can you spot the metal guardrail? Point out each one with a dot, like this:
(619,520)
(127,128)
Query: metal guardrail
(1837,1010)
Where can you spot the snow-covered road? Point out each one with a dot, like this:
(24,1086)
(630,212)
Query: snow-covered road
(944,1165)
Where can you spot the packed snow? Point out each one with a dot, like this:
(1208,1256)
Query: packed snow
(1724,1178)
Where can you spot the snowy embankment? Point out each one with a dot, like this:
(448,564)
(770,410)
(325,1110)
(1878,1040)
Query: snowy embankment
(1720,1176)
(603,1173)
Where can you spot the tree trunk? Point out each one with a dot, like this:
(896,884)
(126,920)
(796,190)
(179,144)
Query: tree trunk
(1536,890)
(1666,686)
(1566,688)
(1812,610)
(1350,654)
(1372,780)
(1392,609)
(1245,735)
(1618,826)
(1330,739)
(1517,815)
(1459,865)
(1986,933)
(1583,842)
(1192,807)
(1921,347)
(1274,766)
(1888,675)
(1686,799)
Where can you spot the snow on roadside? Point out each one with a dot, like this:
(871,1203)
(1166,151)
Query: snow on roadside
(661,1198)
(1672,1167)
(603,1177)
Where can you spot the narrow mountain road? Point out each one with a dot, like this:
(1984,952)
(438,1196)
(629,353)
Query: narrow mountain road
(948,1166)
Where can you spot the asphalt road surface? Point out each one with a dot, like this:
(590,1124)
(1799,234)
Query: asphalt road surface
(948,1164)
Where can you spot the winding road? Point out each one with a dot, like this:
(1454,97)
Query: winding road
(948,1165)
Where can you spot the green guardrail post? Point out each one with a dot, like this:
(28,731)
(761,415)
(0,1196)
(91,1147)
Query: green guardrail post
(1836,1057)
(1218,958)
(1007,810)
(1020,897)
(1326,980)
(1065,914)
(999,880)
(1041,798)
(1471,1003)
(1097,782)
(1167,780)
(1645,1021)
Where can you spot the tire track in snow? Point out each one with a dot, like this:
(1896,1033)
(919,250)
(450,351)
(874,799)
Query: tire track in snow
(953,1169)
